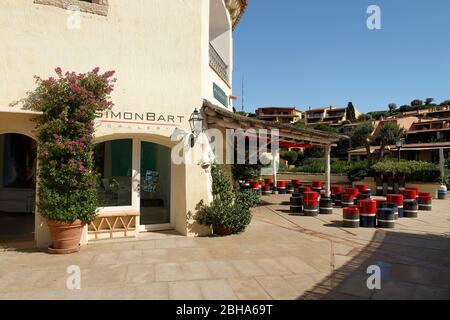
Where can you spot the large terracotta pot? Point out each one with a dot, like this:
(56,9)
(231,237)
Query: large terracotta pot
(222,231)
(65,236)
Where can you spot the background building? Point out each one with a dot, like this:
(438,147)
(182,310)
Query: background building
(279,114)
(328,115)
(424,138)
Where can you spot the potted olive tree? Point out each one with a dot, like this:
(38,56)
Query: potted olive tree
(69,104)
(229,213)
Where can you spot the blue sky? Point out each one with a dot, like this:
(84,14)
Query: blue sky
(320,52)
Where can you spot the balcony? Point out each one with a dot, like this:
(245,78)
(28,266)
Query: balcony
(217,63)
(315,115)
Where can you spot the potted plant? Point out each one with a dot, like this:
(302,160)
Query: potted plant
(69,105)
(229,213)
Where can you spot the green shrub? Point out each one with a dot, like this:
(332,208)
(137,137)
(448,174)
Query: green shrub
(65,130)
(418,171)
(230,209)
(317,165)
(358,171)
(290,156)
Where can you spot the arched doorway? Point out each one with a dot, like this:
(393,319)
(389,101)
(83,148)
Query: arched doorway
(18,155)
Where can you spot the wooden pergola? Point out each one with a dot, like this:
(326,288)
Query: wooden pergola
(217,117)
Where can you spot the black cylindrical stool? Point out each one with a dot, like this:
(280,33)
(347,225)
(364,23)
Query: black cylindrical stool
(290,189)
(394,207)
(351,217)
(311,208)
(410,208)
(386,218)
(368,215)
(425,202)
(364,196)
(297,204)
(348,200)
(326,205)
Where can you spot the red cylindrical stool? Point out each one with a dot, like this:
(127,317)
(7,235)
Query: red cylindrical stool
(296,182)
(267,190)
(417,192)
(399,200)
(311,196)
(268,182)
(336,195)
(281,186)
(425,202)
(348,200)
(352,191)
(361,187)
(303,189)
(368,213)
(410,194)
(255,186)
(351,217)
(337,189)
(317,184)
(311,207)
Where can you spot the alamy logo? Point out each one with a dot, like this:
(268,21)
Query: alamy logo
(73,281)
(74,19)
(374,20)
(374,280)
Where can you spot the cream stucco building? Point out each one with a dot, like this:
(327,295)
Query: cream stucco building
(169,56)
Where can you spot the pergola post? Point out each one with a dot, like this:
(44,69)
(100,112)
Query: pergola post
(328,170)
(275,152)
(442,163)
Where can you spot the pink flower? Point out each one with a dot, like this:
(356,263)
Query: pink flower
(58,71)
(96,70)
(81,168)
(109,74)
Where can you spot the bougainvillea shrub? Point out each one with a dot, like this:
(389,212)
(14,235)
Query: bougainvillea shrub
(69,103)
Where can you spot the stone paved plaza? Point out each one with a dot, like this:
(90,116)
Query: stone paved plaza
(279,257)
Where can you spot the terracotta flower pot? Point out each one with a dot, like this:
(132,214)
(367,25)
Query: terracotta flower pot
(65,236)
(222,231)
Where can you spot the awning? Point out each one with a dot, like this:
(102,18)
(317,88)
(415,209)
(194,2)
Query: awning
(290,136)
(219,117)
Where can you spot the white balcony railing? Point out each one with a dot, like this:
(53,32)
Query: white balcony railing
(217,63)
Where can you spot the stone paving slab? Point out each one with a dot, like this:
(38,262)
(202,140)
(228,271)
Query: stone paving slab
(280,256)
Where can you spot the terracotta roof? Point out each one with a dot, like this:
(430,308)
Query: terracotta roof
(427,145)
(240,10)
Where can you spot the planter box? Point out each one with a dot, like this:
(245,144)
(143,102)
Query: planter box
(309,177)
(424,187)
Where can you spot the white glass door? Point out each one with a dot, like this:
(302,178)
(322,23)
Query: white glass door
(154,187)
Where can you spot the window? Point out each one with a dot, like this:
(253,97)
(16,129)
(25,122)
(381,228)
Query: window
(113,161)
(99,7)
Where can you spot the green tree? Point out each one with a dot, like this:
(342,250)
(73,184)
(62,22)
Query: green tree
(290,156)
(417,103)
(390,133)
(445,103)
(326,128)
(429,101)
(351,112)
(392,107)
(362,137)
